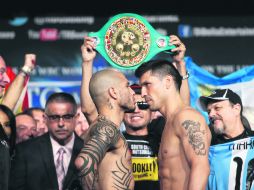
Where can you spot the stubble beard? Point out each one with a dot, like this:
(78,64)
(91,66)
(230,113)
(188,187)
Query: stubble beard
(219,130)
(129,107)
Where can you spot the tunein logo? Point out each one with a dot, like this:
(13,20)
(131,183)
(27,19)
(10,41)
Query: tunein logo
(184,31)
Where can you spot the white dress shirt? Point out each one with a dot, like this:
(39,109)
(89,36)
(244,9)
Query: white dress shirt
(68,151)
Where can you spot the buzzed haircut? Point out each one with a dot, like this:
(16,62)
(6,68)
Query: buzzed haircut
(160,68)
(100,82)
(62,97)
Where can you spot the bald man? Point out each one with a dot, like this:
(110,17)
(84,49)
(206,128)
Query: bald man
(104,161)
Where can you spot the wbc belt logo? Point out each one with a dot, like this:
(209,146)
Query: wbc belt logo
(127,41)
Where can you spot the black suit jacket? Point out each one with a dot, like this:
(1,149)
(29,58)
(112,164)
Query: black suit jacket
(33,167)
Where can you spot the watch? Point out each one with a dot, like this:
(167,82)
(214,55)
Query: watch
(184,77)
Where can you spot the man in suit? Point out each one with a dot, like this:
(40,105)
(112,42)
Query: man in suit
(47,162)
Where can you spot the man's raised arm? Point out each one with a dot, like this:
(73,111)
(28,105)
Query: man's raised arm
(88,55)
(14,91)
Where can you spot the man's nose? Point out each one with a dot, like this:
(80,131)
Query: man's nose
(61,122)
(31,134)
(211,113)
(6,78)
(143,92)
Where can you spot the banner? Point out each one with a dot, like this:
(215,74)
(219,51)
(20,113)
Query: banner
(38,92)
(220,44)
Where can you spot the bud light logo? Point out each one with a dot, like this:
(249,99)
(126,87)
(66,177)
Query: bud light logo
(184,31)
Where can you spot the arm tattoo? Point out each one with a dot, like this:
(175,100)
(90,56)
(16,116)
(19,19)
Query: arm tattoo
(103,136)
(195,136)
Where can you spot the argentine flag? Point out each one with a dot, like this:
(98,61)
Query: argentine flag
(202,82)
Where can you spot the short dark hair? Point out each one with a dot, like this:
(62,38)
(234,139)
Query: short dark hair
(29,111)
(23,113)
(62,97)
(162,68)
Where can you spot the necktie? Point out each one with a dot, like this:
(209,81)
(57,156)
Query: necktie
(60,168)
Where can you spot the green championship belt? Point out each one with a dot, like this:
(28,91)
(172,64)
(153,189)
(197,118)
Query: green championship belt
(127,40)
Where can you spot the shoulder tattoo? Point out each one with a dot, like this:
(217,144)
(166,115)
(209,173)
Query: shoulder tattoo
(195,136)
(103,136)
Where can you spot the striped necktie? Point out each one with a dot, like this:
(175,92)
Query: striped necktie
(60,168)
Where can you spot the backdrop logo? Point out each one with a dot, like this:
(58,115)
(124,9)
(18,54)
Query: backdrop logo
(48,34)
(18,21)
(7,35)
(184,31)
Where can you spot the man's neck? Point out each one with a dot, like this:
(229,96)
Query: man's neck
(234,131)
(114,116)
(171,107)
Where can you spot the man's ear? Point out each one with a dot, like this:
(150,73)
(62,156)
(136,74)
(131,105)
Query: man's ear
(168,80)
(237,107)
(112,92)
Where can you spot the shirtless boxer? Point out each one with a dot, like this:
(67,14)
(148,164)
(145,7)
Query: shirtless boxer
(104,161)
(183,155)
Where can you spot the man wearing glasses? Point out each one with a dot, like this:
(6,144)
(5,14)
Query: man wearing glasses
(47,162)
(142,133)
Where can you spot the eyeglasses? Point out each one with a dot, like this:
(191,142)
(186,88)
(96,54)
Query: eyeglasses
(142,105)
(56,118)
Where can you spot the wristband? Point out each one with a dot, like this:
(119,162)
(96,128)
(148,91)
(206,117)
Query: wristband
(184,77)
(26,70)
